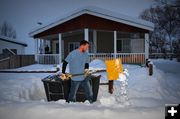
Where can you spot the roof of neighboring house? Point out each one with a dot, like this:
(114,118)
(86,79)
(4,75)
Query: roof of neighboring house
(103,13)
(11,40)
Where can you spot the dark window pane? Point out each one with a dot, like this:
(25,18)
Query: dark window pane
(119,45)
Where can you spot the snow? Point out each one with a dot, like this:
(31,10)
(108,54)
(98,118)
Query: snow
(11,39)
(35,67)
(21,87)
(22,95)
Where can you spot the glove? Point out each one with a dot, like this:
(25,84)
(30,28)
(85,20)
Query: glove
(63,76)
(87,72)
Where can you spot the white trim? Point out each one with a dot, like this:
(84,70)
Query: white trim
(43,45)
(86,35)
(36,48)
(100,13)
(115,44)
(60,53)
(94,41)
(38,45)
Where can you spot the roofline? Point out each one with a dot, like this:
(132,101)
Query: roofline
(128,22)
(69,17)
(87,11)
(7,39)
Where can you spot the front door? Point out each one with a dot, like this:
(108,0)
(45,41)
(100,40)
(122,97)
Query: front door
(57,48)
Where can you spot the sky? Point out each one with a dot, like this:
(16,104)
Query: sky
(24,14)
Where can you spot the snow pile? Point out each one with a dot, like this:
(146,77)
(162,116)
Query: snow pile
(123,92)
(21,87)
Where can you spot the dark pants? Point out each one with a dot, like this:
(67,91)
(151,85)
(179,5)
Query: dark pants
(85,85)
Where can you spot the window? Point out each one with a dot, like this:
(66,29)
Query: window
(124,45)
(119,45)
(73,45)
(130,42)
(57,48)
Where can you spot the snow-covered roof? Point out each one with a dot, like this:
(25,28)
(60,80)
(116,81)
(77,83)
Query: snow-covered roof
(99,12)
(12,40)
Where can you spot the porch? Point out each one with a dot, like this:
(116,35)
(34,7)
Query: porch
(104,44)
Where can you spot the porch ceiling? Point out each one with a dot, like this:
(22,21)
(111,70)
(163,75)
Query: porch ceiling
(66,34)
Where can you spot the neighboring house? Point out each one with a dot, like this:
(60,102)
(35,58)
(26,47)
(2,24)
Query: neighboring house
(11,45)
(111,35)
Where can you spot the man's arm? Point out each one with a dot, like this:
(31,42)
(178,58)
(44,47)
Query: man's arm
(64,66)
(86,66)
(87,62)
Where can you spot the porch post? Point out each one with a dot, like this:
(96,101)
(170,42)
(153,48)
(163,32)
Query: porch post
(86,35)
(60,58)
(146,45)
(95,41)
(44,45)
(115,42)
(40,46)
(36,49)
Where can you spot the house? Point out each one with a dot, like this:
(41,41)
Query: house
(111,35)
(10,45)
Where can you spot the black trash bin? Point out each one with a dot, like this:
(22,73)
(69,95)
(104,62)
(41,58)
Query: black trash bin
(56,89)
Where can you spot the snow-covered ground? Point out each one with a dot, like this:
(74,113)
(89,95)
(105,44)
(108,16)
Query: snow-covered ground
(22,95)
(35,67)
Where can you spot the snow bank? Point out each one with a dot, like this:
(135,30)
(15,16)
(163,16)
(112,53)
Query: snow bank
(21,87)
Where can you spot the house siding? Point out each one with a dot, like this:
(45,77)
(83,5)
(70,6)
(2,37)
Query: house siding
(20,49)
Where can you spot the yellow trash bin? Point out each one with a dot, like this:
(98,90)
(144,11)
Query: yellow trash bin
(113,68)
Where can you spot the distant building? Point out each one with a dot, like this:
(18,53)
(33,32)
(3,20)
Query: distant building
(8,44)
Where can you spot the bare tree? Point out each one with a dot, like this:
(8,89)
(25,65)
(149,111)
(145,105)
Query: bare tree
(7,30)
(166,20)
(171,3)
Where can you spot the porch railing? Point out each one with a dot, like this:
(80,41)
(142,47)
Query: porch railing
(130,58)
(47,58)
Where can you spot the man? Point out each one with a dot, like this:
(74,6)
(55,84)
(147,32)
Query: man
(78,61)
(46,49)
